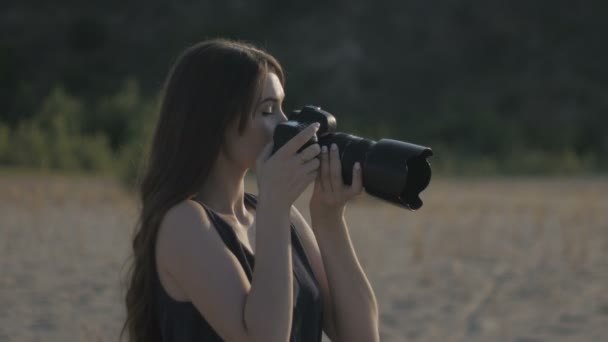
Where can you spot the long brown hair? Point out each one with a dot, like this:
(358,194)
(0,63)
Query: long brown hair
(211,84)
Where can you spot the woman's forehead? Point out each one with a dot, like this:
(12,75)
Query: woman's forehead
(273,87)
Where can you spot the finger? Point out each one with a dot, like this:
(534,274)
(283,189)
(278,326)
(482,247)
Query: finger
(309,153)
(357,184)
(335,167)
(325,182)
(294,144)
(311,165)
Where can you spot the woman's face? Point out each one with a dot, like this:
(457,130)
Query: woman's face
(268,113)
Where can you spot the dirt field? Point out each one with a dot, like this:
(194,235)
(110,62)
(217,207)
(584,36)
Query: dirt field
(483,260)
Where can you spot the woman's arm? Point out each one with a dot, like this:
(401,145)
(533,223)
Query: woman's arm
(347,295)
(355,309)
(269,307)
(353,305)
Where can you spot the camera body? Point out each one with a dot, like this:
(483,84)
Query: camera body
(392,170)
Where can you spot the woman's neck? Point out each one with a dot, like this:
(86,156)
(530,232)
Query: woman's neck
(224,192)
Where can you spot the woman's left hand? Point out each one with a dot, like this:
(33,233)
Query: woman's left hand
(330,194)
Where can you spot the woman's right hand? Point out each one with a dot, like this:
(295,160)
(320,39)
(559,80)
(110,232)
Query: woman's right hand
(283,176)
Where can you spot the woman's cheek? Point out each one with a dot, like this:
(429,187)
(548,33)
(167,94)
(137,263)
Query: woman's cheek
(269,132)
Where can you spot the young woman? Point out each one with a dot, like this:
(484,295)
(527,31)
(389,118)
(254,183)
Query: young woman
(213,263)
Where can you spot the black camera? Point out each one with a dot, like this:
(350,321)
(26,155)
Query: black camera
(392,170)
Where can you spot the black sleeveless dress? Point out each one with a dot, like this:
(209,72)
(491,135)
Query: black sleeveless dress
(182,322)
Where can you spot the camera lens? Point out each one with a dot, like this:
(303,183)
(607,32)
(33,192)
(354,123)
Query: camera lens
(392,170)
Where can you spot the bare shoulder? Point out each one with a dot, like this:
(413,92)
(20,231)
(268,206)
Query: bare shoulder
(189,249)
(185,221)
(185,212)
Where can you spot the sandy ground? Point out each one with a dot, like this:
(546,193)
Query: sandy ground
(483,260)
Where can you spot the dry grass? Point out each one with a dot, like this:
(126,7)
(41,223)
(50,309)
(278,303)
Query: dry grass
(483,260)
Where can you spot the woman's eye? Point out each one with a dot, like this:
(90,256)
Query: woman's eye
(269,111)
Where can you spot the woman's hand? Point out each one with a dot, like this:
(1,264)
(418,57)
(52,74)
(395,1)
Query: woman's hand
(283,176)
(330,194)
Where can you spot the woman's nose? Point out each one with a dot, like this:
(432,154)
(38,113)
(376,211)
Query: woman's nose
(283,117)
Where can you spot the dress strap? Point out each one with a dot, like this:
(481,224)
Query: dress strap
(219,224)
(230,240)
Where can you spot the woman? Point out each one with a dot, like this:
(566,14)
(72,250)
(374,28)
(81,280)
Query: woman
(193,275)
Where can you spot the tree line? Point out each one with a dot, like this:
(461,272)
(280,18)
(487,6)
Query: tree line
(494,87)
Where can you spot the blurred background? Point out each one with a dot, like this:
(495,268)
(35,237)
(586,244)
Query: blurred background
(512,96)
(517,87)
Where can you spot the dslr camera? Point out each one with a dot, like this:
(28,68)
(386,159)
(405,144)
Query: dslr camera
(392,170)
